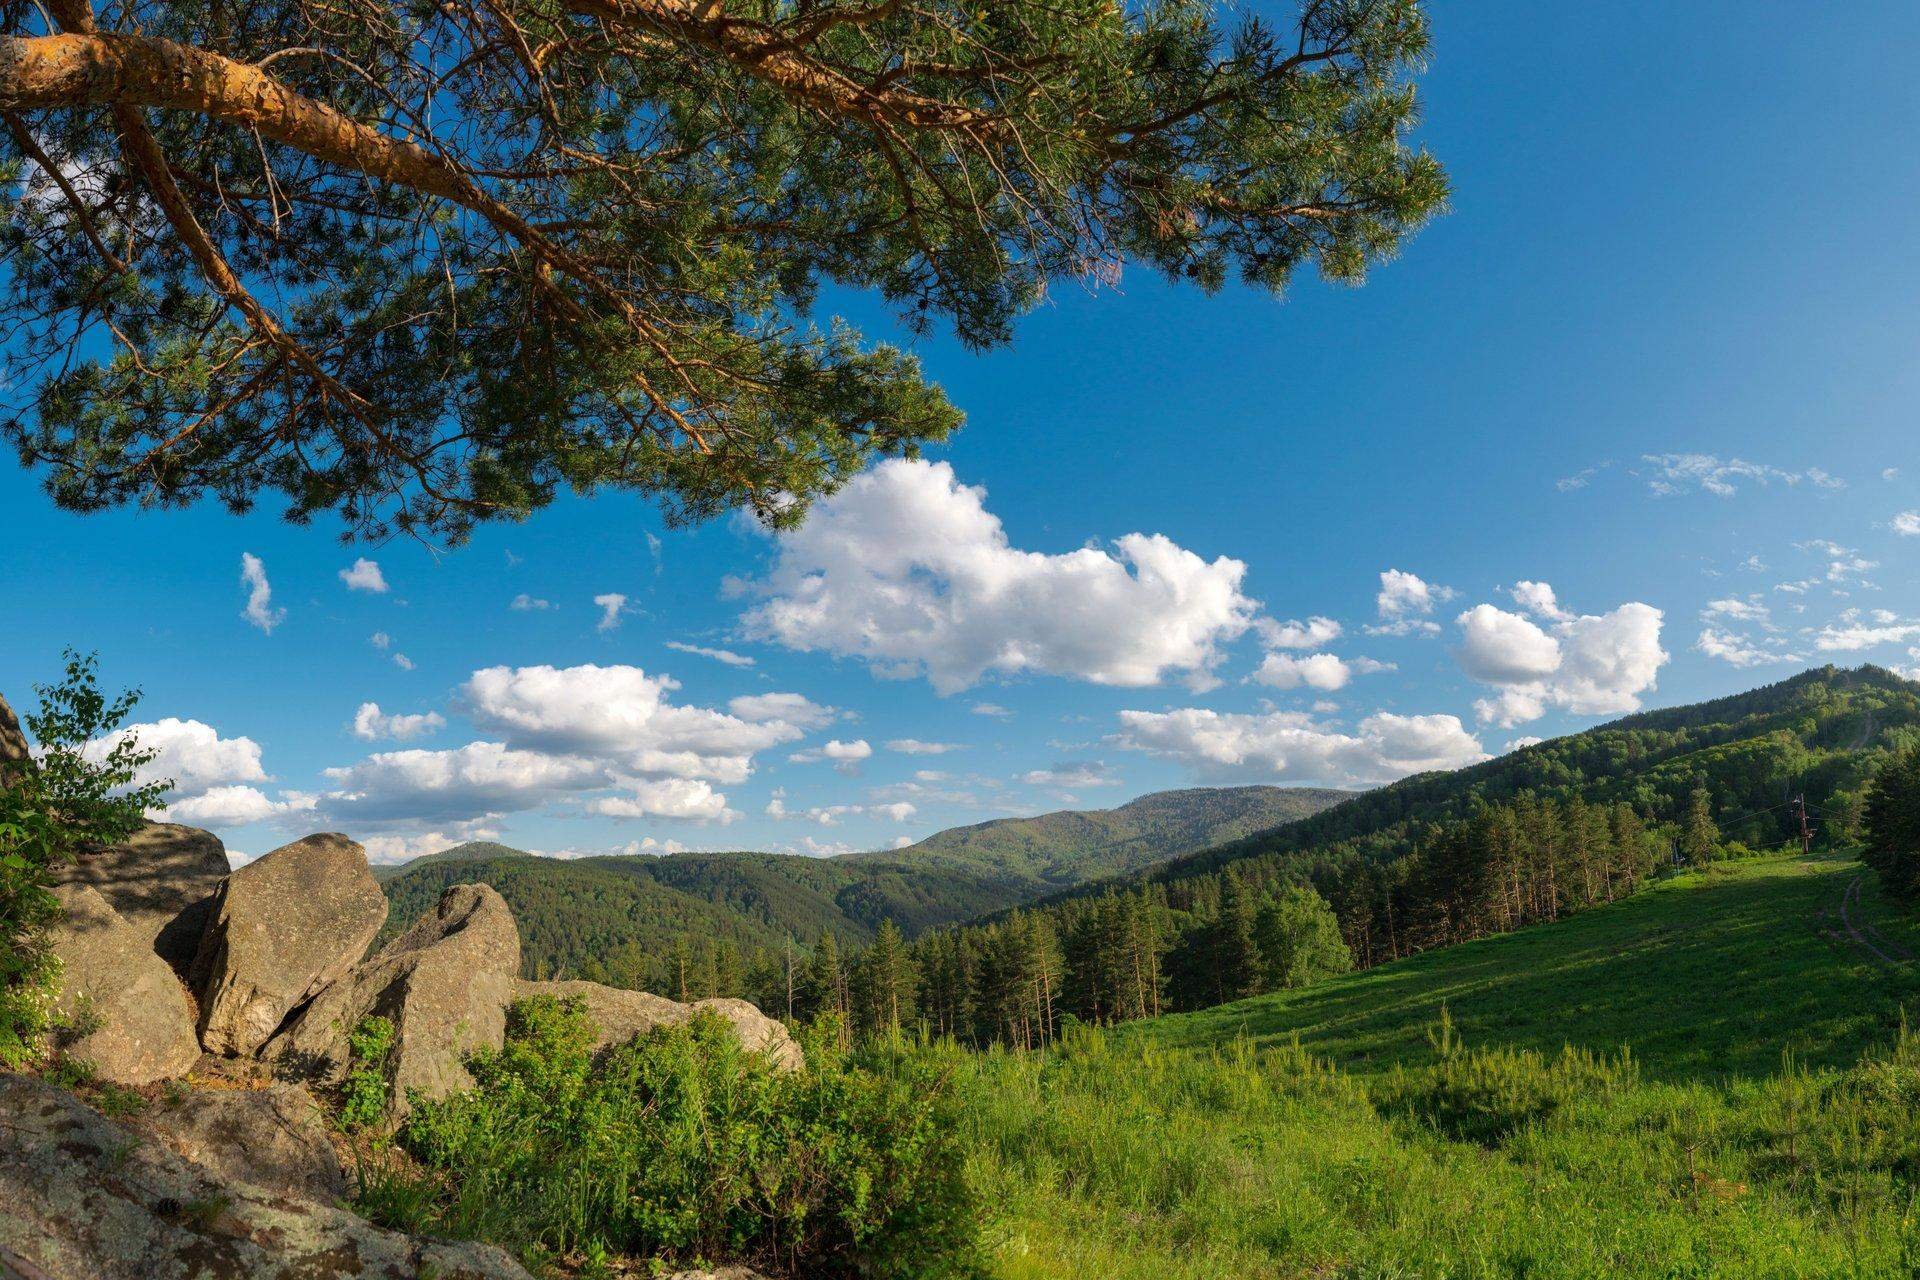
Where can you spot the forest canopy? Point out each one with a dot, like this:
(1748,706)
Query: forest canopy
(427,265)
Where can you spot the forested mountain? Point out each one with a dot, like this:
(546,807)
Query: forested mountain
(618,919)
(1540,833)
(1069,847)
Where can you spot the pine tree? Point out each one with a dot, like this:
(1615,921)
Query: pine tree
(648,199)
(826,982)
(1699,836)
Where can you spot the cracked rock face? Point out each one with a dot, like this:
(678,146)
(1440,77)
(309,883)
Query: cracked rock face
(283,927)
(89,1199)
(274,1138)
(445,984)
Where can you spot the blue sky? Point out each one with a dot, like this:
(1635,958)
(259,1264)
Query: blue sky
(1662,357)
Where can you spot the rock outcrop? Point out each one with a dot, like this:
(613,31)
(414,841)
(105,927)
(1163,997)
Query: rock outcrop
(620,1015)
(283,927)
(274,1138)
(89,1199)
(13,743)
(162,880)
(445,983)
(136,1020)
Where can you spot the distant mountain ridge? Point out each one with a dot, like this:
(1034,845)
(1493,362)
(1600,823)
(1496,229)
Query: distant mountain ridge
(471,851)
(1071,846)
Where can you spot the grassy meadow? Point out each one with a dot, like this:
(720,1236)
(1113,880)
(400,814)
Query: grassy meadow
(1704,975)
(1765,1120)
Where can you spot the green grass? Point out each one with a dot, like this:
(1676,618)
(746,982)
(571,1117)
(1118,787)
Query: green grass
(1764,1123)
(1704,976)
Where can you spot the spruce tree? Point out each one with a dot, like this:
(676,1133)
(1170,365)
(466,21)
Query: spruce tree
(1232,953)
(1699,836)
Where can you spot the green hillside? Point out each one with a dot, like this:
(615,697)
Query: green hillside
(1703,975)
(1537,835)
(1055,850)
(1752,750)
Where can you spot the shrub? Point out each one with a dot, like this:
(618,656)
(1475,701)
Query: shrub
(363,1097)
(1486,1095)
(682,1145)
(66,799)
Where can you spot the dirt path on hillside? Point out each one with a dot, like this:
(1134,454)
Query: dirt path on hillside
(1864,935)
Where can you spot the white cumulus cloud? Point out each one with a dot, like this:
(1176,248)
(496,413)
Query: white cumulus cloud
(1590,664)
(622,715)
(1322,671)
(612,605)
(370,724)
(906,569)
(1311,634)
(686,798)
(834,751)
(364,575)
(1291,746)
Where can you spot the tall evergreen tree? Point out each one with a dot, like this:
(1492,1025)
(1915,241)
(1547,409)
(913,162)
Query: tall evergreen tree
(1893,823)
(826,985)
(1232,954)
(886,982)
(1699,835)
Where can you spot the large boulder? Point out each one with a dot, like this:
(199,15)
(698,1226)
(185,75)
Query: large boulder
(274,1138)
(283,927)
(445,984)
(88,1199)
(620,1015)
(162,880)
(136,1019)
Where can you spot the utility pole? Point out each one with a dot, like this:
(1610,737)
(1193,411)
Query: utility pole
(1805,832)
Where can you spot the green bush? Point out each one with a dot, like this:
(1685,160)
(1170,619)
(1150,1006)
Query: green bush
(683,1146)
(363,1096)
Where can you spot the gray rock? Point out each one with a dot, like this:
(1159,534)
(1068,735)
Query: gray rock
(13,743)
(273,1138)
(162,880)
(112,982)
(621,1015)
(283,927)
(89,1199)
(445,984)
